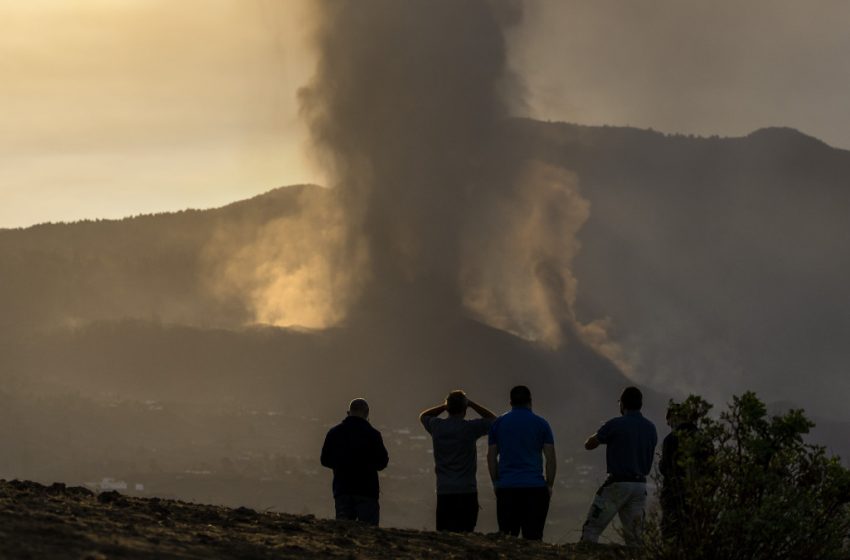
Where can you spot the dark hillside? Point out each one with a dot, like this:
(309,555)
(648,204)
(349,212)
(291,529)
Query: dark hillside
(71,522)
(721,261)
(148,267)
(716,259)
(221,415)
(120,361)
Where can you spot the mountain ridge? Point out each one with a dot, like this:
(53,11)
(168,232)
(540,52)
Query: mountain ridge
(715,265)
(768,134)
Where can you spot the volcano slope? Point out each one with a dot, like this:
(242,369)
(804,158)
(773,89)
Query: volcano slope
(238,417)
(117,361)
(72,522)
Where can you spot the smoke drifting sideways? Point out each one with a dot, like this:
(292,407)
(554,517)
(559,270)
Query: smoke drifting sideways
(426,211)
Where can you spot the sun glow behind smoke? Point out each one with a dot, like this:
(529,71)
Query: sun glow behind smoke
(296,270)
(115,108)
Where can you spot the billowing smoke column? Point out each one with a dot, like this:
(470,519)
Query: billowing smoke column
(405,102)
(407,112)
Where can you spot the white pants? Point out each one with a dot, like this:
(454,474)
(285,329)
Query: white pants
(628,499)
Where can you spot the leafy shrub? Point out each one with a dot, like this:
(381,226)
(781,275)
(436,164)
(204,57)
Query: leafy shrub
(749,487)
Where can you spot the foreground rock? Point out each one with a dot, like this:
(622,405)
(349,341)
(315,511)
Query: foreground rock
(71,522)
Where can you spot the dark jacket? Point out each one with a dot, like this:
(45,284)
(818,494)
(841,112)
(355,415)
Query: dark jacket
(675,473)
(355,451)
(670,457)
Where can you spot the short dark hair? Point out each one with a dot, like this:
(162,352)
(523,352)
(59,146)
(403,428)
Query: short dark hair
(456,402)
(681,413)
(632,398)
(520,396)
(359,405)
(674,410)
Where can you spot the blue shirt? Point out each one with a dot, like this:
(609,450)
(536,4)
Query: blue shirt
(630,441)
(520,435)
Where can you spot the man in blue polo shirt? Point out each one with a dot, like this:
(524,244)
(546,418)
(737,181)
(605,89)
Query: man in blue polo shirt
(519,440)
(630,441)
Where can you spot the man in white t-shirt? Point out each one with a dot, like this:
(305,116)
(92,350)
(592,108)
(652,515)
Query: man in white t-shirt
(455,459)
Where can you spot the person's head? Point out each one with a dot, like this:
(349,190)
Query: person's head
(521,396)
(674,414)
(358,407)
(631,399)
(456,403)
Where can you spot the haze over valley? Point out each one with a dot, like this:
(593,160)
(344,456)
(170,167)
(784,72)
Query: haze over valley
(203,354)
(125,358)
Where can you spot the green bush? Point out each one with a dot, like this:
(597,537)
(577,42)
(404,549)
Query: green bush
(751,488)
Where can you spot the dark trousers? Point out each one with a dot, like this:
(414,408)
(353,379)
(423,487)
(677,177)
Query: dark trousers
(522,510)
(672,500)
(457,512)
(357,508)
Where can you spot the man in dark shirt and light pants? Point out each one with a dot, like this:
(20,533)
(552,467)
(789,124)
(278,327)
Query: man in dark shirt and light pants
(455,459)
(519,440)
(630,440)
(355,451)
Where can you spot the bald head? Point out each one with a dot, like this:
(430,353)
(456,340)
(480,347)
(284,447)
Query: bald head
(358,407)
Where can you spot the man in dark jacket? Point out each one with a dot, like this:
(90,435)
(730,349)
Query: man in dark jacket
(355,451)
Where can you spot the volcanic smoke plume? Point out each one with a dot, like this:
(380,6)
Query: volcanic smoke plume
(430,212)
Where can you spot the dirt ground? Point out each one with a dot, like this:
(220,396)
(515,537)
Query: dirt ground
(56,521)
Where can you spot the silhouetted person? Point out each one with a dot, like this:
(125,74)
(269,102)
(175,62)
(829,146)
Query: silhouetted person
(630,439)
(455,459)
(519,440)
(673,496)
(355,451)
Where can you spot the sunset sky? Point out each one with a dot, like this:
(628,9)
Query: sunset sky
(120,107)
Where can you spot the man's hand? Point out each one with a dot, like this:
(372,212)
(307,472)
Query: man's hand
(551,465)
(591,443)
(482,411)
(426,415)
(493,463)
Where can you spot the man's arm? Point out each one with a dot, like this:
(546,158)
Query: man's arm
(551,464)
(592,442)
(329,451)
(493,462)
(426,415)
(382,458)
(482,411)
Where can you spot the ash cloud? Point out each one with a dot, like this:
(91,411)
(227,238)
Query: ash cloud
(404,106)
(406,111)
(517,272)
(429,210)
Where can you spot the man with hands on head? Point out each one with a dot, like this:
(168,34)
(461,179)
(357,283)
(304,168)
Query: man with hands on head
(519,441)
(455,459)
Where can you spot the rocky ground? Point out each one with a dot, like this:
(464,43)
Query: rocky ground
(56,521)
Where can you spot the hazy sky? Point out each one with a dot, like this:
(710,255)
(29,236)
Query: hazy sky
(117,107)
(722,67)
